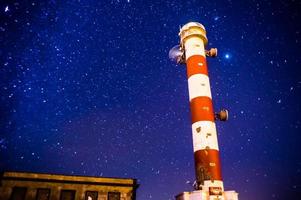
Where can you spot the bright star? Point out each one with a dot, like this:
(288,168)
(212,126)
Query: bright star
(227,56)
(6,9)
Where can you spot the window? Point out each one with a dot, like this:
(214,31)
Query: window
(43,194)
(67,195)
(91,195)
(18,193)
(114,196)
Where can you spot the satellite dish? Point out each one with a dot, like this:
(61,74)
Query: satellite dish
(176,54)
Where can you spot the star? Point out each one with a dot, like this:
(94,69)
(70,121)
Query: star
(6,9)
(227,56)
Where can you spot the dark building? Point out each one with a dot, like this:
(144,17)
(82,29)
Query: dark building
(34,186)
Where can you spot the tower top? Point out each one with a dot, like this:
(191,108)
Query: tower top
(192,29)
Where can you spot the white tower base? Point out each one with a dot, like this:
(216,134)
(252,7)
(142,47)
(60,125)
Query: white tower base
(203,195)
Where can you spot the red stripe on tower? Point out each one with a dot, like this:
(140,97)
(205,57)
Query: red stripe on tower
(196,64)
(201,109)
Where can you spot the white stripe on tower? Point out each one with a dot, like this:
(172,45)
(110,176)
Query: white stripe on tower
(198,85)
(194,46)
(204,135)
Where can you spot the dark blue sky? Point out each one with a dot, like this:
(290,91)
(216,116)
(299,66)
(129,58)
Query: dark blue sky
(87,88)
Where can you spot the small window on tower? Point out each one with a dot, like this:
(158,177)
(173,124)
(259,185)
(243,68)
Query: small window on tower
(205,108)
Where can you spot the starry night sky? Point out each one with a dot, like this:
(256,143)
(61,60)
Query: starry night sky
(87,88)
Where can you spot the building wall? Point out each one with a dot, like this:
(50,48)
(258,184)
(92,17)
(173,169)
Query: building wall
(57,183)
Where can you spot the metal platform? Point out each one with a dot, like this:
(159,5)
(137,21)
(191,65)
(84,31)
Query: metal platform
(204,195)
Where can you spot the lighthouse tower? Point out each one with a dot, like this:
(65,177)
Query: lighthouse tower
(209,182)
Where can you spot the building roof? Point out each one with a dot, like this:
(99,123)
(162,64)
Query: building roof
(41,177)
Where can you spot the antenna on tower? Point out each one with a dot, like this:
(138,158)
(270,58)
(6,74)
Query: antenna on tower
(176,54)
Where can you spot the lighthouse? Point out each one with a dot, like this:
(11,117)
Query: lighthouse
(191,51)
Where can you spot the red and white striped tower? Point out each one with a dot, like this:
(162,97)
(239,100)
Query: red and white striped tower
(209,181)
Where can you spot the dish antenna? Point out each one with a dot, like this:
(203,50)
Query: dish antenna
(176,54)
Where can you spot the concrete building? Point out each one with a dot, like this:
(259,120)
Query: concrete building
(34,186)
